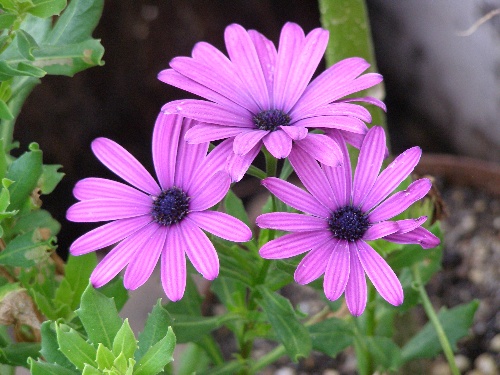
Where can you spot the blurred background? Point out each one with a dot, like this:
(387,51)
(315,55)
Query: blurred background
(442,84)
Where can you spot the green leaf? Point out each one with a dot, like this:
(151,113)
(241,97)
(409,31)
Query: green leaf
(50,178)
(105,357)
(5,113)
(25,172)
(90,370)
(32,220)
(99,317)
(125,341)
(47,8)
(155,329)
(192,328)
(289,330)
(331,336)
(17,354)
(76,278)
(77,22)
(74,347)
(455,322)
(193,360)
(22,69)
(27,250)
(50,348)
(155,359)
(44,368)
(26,44)
(234,207)
(7,20)
(115,289)
(385,353)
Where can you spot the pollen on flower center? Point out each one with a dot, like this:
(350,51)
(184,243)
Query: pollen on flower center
(348,223)
(170,207)
(271,119)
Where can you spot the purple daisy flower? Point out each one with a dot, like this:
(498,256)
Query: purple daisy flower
(342,214)
(150,220)
(261,95)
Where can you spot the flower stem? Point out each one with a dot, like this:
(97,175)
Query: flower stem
(431,314)
(268,359)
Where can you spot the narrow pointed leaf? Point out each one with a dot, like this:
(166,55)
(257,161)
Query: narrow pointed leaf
(155,329)
(44,368)
(105,358)
(155,359)
(74,347)
(125,341)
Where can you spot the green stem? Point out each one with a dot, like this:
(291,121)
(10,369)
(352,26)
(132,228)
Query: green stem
(370,324)
(268,359)
(431,314)
(256,172)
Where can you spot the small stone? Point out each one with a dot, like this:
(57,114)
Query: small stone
(480,205)
(285,371)
(463,363)
(495,343)
(485,363)
(440,368)
(330,372)
(496,222)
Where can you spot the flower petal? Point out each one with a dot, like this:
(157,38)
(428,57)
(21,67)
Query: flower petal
(366,99)
(120,256)
(173,265)
(419,236)
(291,222)
(343,109)
(291,40)
(200,250)
(312,177)
(337,271)
(400,201)
(238,165)
(278,143)
(391,177)
(143,262)
(295,132)
(211,193)
(293,244)
(222,225)
(380,230)
(323,89)
(381,275)
(213,113)
(369,162)
(355,291)
(208,132)
(313,265)
(340,177)
(407,225)
(218,76)
(295,197)
(166,135)
(321,148)
(244,56)
(124,165)
(346,123)
(267,56)
(108,209)
(247,140)
(97,188)
(107,234)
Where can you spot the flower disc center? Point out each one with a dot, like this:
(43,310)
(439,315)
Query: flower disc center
(170,207)
(271,119)
(348,223)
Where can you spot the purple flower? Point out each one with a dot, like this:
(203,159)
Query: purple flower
(342,214)
(150,220)
(261,95)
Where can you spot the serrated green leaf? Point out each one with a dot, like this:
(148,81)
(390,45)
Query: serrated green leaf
(105,357)
(331,336)
(35,220)
(47,8)
(22,69)
(99,317)
(25,172)
(385,353)
(5,113)
(125,341)
(289,330)
(155,329)
(50,178)
(90,370)
(44,368)
(115,289)
(234,207)
(17,354)
(76,278)
(77,22)
(455,322)
(120,363)
(155,359)
(50,348)
(25,44)
(7,20)
(74,347)
(27,250)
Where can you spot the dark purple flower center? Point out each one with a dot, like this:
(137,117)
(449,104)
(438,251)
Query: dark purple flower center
(348,223)
(271,119)
(170,207)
